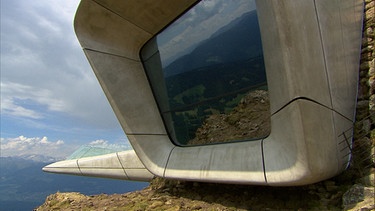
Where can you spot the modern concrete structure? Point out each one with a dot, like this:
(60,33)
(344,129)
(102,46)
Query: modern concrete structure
(311,51)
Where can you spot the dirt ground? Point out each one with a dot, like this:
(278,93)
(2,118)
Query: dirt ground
(176,195)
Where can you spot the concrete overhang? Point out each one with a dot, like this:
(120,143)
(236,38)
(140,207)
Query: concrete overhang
(311,52)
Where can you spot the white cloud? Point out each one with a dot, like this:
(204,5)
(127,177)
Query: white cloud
(43,64)
(99,142)
(14,98)
(58,149)
(115,146)
(21,146)
(208,4)
(9,107)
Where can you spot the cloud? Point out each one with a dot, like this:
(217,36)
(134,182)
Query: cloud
(16,97)
(22,145)
(43,67)
(26,146)
(114,146)
(209,5)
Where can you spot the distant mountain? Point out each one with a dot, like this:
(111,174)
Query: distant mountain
(231,43)
(214,76)
(23,184)
(38,158)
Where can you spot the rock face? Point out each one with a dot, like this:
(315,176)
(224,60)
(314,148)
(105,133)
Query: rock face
(177,195)
(250,119)
(353,190)
(359,197)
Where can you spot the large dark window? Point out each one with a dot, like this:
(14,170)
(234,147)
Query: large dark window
(208,76)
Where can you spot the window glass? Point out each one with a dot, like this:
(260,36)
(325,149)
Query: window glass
(207,73)
(90,151)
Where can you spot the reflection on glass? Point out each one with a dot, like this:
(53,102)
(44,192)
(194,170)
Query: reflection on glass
(90,151)
(208,76)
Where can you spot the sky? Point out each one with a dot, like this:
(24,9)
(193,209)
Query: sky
(51,101)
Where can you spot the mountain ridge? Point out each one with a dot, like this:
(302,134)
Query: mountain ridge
(23,184)
(215,50)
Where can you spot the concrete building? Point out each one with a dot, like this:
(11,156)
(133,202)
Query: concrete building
(251,92)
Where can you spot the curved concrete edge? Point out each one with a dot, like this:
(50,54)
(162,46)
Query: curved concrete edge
(153,150)
(308,149)
(312,49)
(63,167)
(305,150)
(293,55)
(135,22)
(304,78)
(128,92)
(120,165)
(240,162)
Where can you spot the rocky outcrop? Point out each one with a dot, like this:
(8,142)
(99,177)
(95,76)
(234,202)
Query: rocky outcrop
(359,197)
(178,195)
(250,119)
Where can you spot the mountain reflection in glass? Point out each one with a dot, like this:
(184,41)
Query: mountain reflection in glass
(208,76)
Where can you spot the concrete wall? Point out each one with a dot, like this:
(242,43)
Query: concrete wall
(312,85)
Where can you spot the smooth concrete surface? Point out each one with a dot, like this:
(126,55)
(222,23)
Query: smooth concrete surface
(306,147)
(306,42)
(120,165)
(311,51)
(341,46)
(153,150)
(231,163)
(96,24)
(128,91)
(290,36)
(64,167)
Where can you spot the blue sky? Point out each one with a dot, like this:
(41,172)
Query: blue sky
(51,102)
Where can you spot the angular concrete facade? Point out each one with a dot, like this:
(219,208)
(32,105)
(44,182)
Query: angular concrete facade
(311,53)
